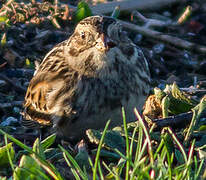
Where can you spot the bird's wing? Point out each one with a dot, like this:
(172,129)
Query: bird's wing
(50,91)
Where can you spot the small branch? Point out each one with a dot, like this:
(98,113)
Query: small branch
(164,37)
(18,88)
(193,90)
(151,22)
(106,8)
(3,13)
(7,4)
(185,14)
(55,6)
(158,23)
(176,121)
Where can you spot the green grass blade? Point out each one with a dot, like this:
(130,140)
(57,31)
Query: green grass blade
(74,163)
(199,169)
(127,145)
(137,164)
(111,173)
(74,172)
(147,136)
(116,12)
(98,151)
(100,171)
(178,143)
(8,153)
(132,141)
(138,155)
(47,166)
(19,143)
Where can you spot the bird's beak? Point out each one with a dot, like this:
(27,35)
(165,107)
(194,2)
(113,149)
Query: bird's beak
(105,43)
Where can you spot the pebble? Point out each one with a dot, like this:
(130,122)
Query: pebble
(167,14)
(16,110)
(158,48)
(2,83)
(138,39)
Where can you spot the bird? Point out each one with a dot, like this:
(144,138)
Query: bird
(87,79)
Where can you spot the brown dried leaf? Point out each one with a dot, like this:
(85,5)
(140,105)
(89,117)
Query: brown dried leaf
(152,108)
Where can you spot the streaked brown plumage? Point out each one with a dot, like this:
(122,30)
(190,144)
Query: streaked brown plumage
(85,80)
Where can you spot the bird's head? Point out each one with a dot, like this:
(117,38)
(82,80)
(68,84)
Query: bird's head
(95,44)
(99,32)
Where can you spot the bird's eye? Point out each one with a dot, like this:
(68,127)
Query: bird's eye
(82,34)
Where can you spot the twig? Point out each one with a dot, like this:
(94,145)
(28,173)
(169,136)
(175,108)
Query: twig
(164,37)
(192,90)
(106,8)
(3,65)
(66,13)
(176,121)
(151,22)
(3,13)
(5,5)
(18,88)
(11,104)
(33,1)
(148,22)
(185,15)
(55,6)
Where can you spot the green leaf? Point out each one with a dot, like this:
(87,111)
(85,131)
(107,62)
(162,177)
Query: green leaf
(179,156)
(113,139)
(4,159)
(29,64)
(202,128)
(197,111)
(27,169)
(5,20)
(46,143)
(107,154)
(159,94)
(165,106)
(46,165)
(38,149)
(82,158)
(176,93)
(200,107)
(83,11)
(179,102)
